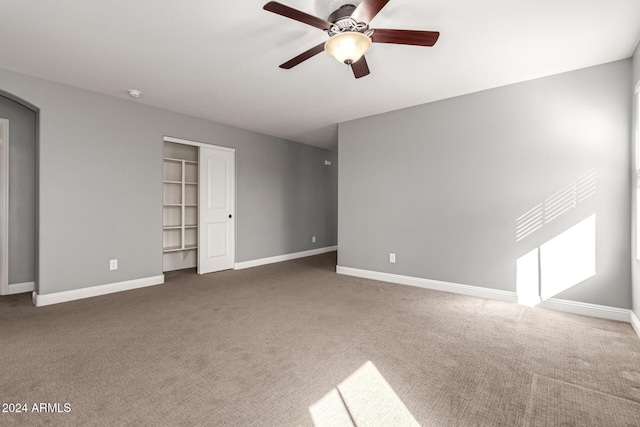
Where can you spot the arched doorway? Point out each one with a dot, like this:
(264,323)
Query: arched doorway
(18,195)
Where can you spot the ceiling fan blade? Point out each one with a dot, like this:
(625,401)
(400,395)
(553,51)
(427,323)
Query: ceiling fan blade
(411,37)
(360,68)
(289,12)
(368,9)
(303,56)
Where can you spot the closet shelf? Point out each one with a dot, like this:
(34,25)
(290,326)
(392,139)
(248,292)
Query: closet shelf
(180,194)
(171,159)
(178,227)
(179,248)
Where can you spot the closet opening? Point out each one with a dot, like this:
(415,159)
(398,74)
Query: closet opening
(198,206)
(179,206)
(18,195)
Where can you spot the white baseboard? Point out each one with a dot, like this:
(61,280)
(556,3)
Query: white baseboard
(438,285)
(280,258)
(593,310)
(635,323)
(20,288)
(586,309)
(94,291)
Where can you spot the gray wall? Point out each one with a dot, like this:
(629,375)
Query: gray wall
(442,184)
(22,190)
(100,186)
(636,64)
(635,263)
(291,194)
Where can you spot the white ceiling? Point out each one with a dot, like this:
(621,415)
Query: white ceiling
(219,59)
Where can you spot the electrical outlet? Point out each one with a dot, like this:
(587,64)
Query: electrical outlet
(113,264)
(392,258)
(313,239)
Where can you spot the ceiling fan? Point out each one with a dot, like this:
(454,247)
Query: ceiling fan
(349,34)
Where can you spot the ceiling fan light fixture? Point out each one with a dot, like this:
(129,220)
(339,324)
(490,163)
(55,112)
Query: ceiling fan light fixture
(348,47)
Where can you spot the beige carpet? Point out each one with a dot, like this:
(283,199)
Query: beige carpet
(264,346)
(557,403)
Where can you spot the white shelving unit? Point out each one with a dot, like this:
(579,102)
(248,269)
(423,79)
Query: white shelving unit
(179,208)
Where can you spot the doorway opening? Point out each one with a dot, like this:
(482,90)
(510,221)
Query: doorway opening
(4,206)
(198,217)
(18,195)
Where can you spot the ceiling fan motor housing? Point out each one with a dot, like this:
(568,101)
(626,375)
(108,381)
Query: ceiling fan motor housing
(343,22)
(341,13)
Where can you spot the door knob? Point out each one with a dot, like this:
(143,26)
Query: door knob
(230,215)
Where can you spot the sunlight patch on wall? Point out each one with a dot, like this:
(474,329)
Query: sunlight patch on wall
(363,399)
(559,264)
(568,258)
(528,278)
(529,222)
(565,199)
(638,219)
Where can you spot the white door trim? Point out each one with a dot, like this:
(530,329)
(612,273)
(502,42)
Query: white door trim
(4,207)
(196,143)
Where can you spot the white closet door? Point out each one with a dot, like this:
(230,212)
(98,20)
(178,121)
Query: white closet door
(216,227)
